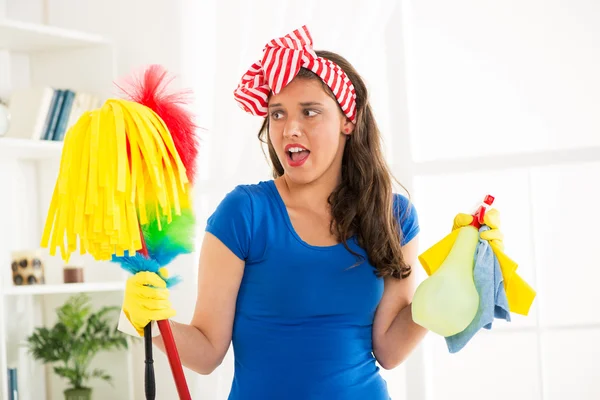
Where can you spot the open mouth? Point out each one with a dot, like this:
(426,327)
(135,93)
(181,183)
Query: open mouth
(297,156)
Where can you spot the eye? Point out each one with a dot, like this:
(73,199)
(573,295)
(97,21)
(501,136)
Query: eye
(310,113)
(276,114)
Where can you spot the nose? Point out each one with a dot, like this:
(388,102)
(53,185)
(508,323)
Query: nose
(292,128)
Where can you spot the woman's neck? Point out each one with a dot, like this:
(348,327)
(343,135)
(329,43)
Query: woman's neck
(313,195)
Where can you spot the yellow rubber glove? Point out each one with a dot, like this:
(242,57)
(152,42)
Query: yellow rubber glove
(147,299)
(491,218)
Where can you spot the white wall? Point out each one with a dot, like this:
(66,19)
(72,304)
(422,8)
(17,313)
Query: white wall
(502,77)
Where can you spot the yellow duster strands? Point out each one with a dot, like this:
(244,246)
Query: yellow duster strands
(101,186)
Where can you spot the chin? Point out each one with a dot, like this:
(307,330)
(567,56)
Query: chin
(307,173)
(300,177)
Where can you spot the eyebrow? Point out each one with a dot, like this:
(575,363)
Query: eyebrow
(311,103)
(305,104)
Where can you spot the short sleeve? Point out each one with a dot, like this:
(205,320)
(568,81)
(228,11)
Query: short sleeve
(231,222)
(408,218)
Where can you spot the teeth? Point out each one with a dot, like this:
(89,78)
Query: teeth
(295,149)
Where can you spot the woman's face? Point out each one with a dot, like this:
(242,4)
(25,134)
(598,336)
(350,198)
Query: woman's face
(308,131)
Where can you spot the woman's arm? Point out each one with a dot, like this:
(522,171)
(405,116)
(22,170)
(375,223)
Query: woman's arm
(395,335)
(203,343)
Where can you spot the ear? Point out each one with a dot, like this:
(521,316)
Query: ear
(348,127)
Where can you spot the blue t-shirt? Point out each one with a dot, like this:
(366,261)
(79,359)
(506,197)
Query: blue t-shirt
(303,319)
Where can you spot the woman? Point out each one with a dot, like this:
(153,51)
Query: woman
(309,274)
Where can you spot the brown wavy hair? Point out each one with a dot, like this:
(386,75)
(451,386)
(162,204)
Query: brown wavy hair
(362,204)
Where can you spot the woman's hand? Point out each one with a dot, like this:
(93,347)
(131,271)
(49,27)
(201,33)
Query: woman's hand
(147,299)
(491,218)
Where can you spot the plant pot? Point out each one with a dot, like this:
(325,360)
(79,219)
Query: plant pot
(78,394)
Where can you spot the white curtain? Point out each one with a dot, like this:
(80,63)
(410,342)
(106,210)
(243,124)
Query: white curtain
(221,40)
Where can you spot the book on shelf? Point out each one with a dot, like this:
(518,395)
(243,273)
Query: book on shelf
(46,113)
(13,384)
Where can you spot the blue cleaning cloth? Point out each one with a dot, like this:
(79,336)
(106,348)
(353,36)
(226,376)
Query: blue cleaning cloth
(492,296)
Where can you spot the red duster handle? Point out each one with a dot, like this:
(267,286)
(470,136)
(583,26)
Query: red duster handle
(174,360)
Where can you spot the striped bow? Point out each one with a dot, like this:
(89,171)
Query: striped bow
(282,59)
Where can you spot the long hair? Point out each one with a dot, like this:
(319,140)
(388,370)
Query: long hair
(362,204)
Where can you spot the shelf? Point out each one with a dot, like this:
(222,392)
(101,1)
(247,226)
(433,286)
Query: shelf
(65,288)
(28,37)
(28,149)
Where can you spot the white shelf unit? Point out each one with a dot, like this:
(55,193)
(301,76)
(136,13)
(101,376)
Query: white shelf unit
(24,149)
(27,37)
(79,61)
(63,288)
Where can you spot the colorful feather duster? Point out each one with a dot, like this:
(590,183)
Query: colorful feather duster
(124,188)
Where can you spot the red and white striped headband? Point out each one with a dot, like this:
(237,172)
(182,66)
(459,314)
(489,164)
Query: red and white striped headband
(282,59)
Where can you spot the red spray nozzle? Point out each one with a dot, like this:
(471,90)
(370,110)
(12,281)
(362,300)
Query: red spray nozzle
(479,214)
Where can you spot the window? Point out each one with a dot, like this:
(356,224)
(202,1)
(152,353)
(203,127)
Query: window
(503,99)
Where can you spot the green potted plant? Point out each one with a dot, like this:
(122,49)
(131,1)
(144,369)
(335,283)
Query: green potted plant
(72,343)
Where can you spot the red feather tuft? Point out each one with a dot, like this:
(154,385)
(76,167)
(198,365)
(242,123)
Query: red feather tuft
(150,90)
